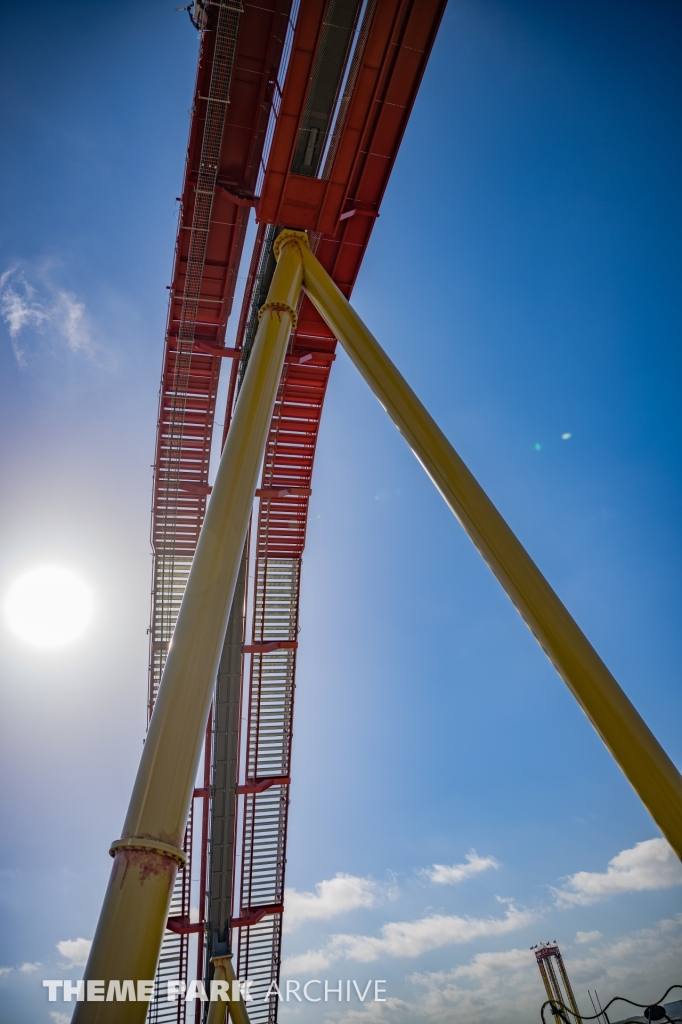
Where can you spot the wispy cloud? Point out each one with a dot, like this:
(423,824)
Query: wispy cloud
(409,938)
(480,970)
(631,959)
(331,897)
(651,864)
(311,962)
(444,874)
(28,968)
(75,951)
(30,302)
(60,1018)
(582,937)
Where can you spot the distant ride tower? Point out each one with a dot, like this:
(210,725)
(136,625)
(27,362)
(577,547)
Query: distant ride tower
(548,955)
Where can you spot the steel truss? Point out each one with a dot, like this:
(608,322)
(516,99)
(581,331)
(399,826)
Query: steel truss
(361,81)
(217,198)
(319,141)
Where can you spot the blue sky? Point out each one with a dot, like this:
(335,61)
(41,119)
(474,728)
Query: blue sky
(524,275)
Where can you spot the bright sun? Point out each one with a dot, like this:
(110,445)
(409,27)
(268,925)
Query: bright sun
(49,606)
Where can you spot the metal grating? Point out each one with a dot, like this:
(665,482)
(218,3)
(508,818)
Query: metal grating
(285,38)
(268,756)
(399,42)
(255,948)
(186,413)
(208,252)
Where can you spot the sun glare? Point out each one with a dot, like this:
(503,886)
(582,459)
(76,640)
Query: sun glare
(49,606)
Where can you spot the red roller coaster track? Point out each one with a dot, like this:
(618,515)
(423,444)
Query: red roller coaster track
(299,110)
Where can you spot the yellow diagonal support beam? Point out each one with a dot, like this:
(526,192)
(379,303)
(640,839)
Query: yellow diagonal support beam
(146,858)
(223,970)
(633,745)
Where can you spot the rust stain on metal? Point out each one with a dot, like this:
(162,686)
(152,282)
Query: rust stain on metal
(146,864)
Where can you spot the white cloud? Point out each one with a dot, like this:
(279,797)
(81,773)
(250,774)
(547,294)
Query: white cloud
(331,897)
(306,963)
(642,960)
(60,1018)
(506,985)
(651,864)
(75,951)
(41,305)
(409,938)
(587,936)
(481,967)
(27,968)
(449,875)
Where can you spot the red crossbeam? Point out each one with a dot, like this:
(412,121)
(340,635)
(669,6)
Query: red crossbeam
(183,926)
(260,785)
(254,915)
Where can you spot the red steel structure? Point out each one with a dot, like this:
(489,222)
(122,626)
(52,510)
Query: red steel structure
(299,110)
(555,979)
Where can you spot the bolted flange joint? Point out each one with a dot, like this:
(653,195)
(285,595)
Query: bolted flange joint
(289,235)
(279,307)
(151,846)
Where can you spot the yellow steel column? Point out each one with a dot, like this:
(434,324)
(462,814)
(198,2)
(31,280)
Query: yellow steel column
(642,759)
(146,859)
(569,990)
(548,990)
(224,971)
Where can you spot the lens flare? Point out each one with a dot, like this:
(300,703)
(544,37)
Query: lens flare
(49,607)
